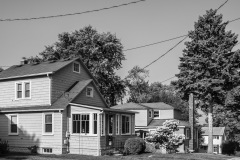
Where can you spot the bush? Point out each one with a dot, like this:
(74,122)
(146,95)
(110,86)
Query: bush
(229,148)
(134,145)
(150,147)
(33,149)
(4,147)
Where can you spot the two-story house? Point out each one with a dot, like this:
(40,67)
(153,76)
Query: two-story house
(57,106)
(152,115)
(219,137)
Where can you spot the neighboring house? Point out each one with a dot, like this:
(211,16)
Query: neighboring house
(57,106)
(219,137)
(153,115)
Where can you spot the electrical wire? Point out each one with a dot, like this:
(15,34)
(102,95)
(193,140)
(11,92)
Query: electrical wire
(165,53)
(154,43)
(71,14)
(222,5)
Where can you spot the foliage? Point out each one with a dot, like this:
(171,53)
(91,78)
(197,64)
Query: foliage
(230,120)
(4,147)
(137,85)
(229,148)
(165,136)
(1,69)
(134,145)
(208,67)
(33,149)
(100,52)
(150,147)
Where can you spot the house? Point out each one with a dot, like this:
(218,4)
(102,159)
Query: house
(152,115)
(57,106)
(219,137)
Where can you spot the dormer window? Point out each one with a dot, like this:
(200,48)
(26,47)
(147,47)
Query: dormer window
(89,91)
(156,114)
(76,67)
(23,90)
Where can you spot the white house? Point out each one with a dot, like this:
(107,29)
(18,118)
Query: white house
(218,138)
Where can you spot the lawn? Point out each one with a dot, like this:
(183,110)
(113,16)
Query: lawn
(149,156)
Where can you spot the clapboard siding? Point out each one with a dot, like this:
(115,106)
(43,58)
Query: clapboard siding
(40,91)
(166,114)
(30,132)
(141,118)
(65,78)
(96,100)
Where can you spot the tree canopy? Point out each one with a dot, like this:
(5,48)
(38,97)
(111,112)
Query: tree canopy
(100,52)
(209,67)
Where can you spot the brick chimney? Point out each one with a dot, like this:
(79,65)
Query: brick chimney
(191,122)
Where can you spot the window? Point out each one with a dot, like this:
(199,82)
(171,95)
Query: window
(48,123)
(187,133)
(47,150)
(89,92)
(76,67)
(215,137)
(13,124)
(156,114)
(150,114)
(117,124)
(95,123)
(215,149)
(133,124)
(23,90)
(110,122)
(102,124)
(80,123)
(125,124)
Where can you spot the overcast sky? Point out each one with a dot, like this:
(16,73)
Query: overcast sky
(137,24)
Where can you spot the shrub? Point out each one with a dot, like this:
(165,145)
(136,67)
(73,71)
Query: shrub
(134,145)
(229,148)
(33,149)
(4,147)
(150,147)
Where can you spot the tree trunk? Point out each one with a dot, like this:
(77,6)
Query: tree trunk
(210,129)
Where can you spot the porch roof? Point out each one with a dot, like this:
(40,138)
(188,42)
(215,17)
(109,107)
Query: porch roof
(159,122)
(217,131)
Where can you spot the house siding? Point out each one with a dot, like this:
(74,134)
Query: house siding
(141,118)
(40,92)
(96,100)
(166,114)
(30,132)
(65,78)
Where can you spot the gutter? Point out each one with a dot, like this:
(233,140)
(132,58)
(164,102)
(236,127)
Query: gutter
(28,75)
(31,110)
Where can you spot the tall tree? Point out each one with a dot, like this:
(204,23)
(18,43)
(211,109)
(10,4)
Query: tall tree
(208,67)
(137,85)
(100,52)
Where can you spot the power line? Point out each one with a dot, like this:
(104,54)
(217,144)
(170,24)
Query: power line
(168,79)
(234,20)
(165,53)
(154,43)
(222,5)
(71,14)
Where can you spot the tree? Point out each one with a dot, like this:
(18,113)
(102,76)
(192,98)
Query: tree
(100,52)
(137,85)
(166,137)
(1,69)
(208,67)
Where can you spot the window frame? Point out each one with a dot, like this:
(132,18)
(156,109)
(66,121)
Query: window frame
(9,125)
(44,150)
(23,90)
(102,121)
(93,126)
(187,136)
(117,124)
(78,67)
(130,123)
(150,112)
(44,124)
(91,93)
(158,114)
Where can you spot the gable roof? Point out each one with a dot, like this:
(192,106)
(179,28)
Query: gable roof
(159,122)
(144,106)
(217,131)
(130,106)
(26,70)
(158,105)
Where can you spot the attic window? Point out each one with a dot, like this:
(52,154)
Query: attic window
(76,67)
(89,91)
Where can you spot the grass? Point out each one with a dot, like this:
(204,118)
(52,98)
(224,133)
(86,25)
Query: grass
(149,156)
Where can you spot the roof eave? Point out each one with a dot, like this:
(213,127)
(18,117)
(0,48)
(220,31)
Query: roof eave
(28,75)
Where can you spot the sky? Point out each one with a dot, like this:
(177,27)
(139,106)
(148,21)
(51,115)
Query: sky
(135,25)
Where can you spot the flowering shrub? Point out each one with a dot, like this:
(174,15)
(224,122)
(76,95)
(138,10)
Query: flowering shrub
(134,145)
(165,136)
